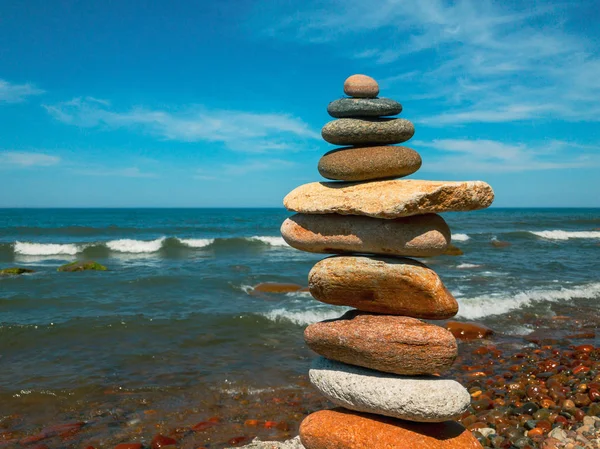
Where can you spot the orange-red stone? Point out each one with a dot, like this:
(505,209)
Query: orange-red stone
(344,429)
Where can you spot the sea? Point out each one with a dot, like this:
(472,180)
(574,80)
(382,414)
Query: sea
(175,315)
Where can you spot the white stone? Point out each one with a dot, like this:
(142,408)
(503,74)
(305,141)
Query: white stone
(413,398)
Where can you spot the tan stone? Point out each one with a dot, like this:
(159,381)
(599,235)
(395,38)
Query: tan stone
(392,344)
(345,429)
(369,163)
(382,285)
(361,86)
(389,199)
(419,236)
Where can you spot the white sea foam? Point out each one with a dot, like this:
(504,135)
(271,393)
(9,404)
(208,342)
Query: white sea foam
(299,294)
(135,246)
(196,243)
(566,235)
(46,249)
(304,317)
(460,237)
(273,241)
(499,303)
(464,266)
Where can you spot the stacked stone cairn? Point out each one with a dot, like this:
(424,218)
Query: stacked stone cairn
(380,363)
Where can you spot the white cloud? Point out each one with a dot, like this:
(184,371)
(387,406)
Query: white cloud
(241,131)
(464,155)
(27,159)
(16,93)
(478,60)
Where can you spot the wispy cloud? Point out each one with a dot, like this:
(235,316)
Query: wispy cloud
(463,155)
(27,159)
(238,130)
(485,61)
(128,172)
(16,93)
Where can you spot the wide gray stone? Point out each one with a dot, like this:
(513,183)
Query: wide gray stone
(363,107)
(418,398)
(383,131)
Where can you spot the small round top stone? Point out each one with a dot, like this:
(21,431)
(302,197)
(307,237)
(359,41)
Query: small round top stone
(361,86)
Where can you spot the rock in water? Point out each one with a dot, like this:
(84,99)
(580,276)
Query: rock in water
(381,131)
(344,429)
(361,86)
(392,344)
(389,199)
(15,271)
(363,107)
(419,398)
(468,331)
(419,236)
(382,285)
(369,163)
(82,266)
(275,287)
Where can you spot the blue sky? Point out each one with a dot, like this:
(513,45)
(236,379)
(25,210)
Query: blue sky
(208,104)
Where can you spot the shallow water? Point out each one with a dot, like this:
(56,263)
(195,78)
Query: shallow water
(175,312)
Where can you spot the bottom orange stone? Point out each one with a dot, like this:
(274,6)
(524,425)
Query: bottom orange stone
(344,429)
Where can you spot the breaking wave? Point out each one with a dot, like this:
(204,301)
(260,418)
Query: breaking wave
(135,246)
(304,317)
(500,303)
(46,249)
(460,237)
(566,235)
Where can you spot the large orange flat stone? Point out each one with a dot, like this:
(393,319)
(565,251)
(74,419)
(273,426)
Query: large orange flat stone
(344,429)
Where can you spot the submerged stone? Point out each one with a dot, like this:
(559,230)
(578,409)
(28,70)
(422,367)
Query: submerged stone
(82,266)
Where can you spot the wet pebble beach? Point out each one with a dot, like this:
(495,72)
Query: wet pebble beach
(541,391)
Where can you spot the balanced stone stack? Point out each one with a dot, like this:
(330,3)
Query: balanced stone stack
(380,363)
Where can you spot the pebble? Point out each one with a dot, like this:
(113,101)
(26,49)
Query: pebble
(361,86)
(363,107)
(395,286)
(369,163)
(419,236)
(389,199)
(416,398)
(367,131)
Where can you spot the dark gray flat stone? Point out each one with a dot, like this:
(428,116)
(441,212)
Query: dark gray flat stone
(380,131)
(363,107)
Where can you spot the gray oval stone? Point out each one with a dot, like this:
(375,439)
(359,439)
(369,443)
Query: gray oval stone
(369,163)
(363,107)
(419,398)
(352,131)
